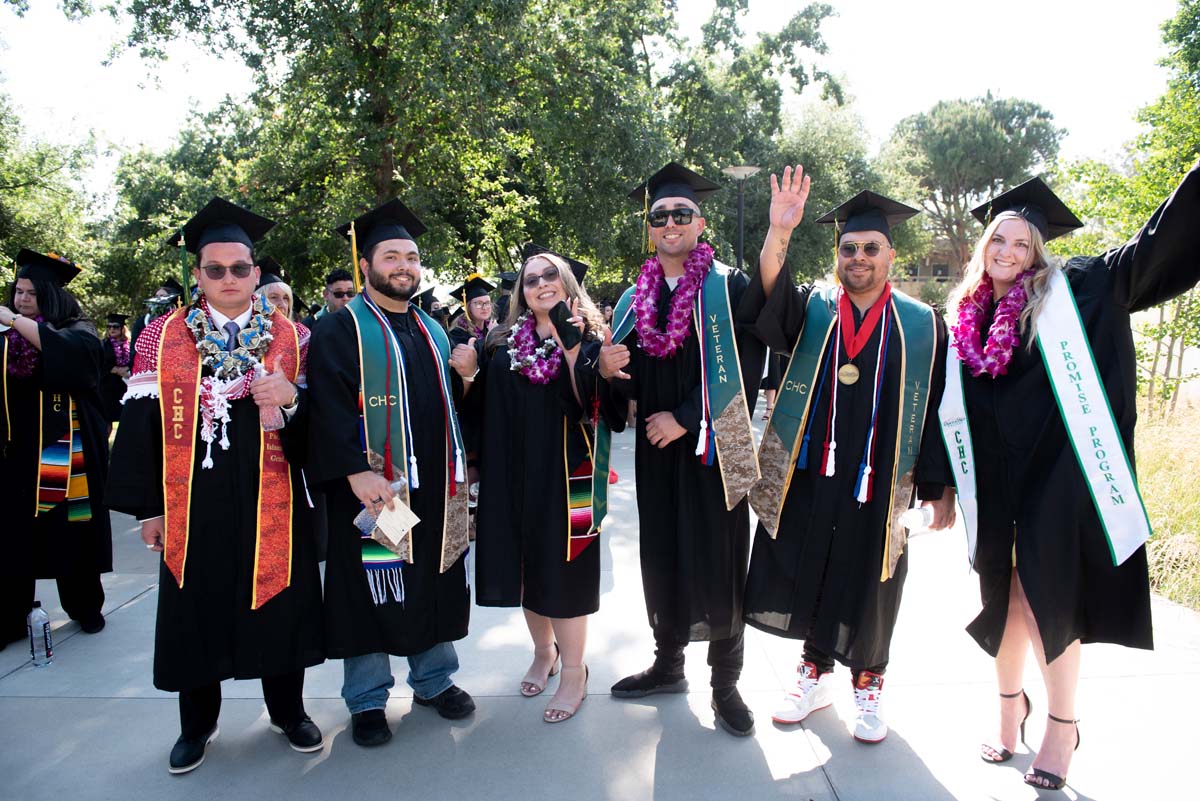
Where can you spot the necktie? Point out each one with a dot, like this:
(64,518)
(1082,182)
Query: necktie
(231,329)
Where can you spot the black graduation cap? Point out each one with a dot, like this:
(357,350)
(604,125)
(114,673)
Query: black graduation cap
(508,280)
(116,319)
(673,180)
(172,286)
(269,266)
(425,300)
(45,267)
(457,313)
(578,268)
(868,211)
(222,221)
(392,220)
(1034,201)
(270,278)
(476,286)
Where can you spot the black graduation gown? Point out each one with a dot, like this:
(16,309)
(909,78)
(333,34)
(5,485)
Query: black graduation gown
(206,631)
(112,386)
(471,431)
(521,543)
(437,606)
(47,545)
(693,551)
(819,580)
(1030,487)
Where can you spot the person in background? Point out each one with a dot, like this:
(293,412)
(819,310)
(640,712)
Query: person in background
(339,290)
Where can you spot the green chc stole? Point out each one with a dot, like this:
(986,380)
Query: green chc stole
(782,441)
(726,437)
(387,439)
(1091,429)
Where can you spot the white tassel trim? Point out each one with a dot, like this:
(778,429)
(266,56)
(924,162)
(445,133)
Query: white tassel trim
(831,461)
(703,437)
(863,483)
(414,480)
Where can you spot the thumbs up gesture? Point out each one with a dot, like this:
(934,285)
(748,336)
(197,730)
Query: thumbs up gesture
(271,388)
(613,358)
(465,360)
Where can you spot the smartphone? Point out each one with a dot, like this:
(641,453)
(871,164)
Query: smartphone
(568,334)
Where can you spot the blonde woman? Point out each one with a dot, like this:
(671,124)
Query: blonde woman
(1059,524)
(532,546)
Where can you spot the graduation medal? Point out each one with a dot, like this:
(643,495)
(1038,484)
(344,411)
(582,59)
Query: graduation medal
(848,374)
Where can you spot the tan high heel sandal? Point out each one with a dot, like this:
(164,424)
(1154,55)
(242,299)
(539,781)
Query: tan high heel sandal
(558,711)
(535,683)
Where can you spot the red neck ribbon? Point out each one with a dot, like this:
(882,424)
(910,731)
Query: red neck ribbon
(856,341)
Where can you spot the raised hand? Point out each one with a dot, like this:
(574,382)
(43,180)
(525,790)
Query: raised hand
(788,197)
(612,358)
(465,360)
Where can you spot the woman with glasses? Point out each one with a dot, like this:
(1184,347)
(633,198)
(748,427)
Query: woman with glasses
(52,471)
(535,547)
(1041,399)
(476,318)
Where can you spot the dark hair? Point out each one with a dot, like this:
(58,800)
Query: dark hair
(56,305)
(338,275)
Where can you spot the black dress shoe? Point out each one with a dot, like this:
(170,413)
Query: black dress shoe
(649,682)
(370,728)
(732,713)
(452,703)
(92,625)
(304,736)
(187,754)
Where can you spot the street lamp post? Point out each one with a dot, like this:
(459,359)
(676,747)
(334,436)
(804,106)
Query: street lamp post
(740,173)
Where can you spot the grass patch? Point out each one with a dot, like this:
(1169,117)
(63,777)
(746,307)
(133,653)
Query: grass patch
(1168,461)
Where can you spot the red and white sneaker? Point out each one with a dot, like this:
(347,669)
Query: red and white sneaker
(812,692)
(868,727)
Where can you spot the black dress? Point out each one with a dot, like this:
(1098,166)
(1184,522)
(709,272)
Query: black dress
(693,551)
(48,545)
(436,606)
(819,580)
(206,631)
(533,433)
(1031,491)
(112,386)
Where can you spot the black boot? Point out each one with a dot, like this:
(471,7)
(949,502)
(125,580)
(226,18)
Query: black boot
(732,713)
(649,682)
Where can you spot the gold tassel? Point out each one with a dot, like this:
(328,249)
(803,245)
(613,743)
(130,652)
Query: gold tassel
(354,260)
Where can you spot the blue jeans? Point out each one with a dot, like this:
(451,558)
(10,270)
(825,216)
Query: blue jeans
(367,678)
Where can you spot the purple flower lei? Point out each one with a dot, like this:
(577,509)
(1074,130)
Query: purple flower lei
(1003,336)
(22,355)
(539,363)
(663,344)
(121,351)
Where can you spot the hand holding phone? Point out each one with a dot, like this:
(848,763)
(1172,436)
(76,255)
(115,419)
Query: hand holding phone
(569,335)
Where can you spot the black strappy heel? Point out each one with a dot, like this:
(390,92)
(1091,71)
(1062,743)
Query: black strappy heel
(1003,754)
(1036,776)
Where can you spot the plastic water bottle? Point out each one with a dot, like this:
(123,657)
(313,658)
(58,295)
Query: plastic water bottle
(917,520)
(271,417)
(41,648)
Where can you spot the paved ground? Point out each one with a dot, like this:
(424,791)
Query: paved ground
(91,726)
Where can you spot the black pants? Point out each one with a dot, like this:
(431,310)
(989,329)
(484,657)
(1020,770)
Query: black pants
(200,706)
(724,657)
(824,661)
(81,596)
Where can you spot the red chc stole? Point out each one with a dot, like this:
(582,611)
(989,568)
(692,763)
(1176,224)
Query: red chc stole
(179,401)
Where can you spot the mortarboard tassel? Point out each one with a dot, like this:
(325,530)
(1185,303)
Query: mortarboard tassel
(354,260)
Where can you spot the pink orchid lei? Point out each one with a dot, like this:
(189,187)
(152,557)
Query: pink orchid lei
(22,355)
(663,344)
(539,363)
(121,351)
(1003,336)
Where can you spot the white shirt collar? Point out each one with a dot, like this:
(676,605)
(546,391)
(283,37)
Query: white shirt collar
(241,319)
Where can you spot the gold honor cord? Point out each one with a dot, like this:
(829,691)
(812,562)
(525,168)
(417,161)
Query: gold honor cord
(354,260)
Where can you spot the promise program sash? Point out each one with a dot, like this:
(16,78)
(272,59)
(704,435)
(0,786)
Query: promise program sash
(587,492)
(179,381)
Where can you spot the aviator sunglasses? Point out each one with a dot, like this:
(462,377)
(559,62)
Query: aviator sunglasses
(848,250)
(658,217)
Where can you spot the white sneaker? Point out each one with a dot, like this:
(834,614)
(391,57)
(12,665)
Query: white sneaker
(812,692)
(868,727)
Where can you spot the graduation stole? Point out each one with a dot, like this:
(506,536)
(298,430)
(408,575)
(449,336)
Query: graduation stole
(386,430)
(179,367)
(587,490)
(725,431)
(1091,429)
(784,443)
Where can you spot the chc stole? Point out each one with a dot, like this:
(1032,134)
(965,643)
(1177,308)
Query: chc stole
(725,433)
(179,366)
(387,439)
(783,440)
(1083,403)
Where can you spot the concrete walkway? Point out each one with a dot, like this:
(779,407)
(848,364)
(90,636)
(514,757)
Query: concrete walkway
(91,726)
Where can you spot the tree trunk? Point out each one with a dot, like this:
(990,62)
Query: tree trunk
(1162,316)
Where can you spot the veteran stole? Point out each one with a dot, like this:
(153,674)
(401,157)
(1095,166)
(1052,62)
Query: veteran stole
(179,400)
(784,439)
(725,429)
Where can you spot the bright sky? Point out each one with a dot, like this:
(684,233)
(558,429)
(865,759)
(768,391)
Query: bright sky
(1091,63)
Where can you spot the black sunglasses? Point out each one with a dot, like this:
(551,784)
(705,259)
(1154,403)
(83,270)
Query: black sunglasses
(658,217)
(848,250)
(342,293)
(216,272)
(549,275)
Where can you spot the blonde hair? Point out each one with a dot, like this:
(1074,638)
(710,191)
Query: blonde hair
(593,320)
(1037,286)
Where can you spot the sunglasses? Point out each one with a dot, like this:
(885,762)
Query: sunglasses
(549,275)
(342,293)
(848,250)
(216,272)
(658,218)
